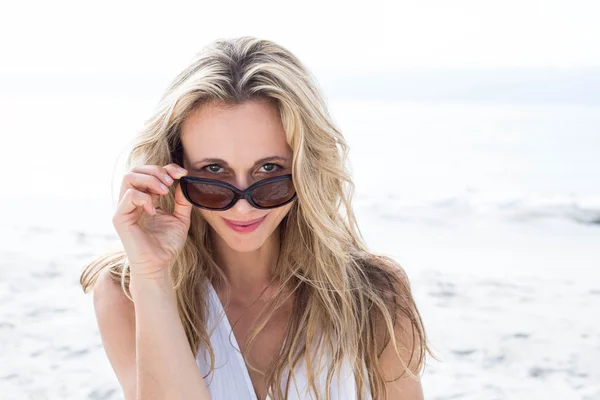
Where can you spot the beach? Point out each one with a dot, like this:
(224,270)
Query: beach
(495,219)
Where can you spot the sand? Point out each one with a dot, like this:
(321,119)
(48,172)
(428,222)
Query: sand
(510,304)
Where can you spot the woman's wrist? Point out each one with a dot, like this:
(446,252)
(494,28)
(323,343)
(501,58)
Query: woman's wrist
(157,283)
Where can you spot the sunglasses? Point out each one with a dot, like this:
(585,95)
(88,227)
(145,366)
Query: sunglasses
(216,195)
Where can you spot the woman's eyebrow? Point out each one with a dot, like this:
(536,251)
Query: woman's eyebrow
(261,161)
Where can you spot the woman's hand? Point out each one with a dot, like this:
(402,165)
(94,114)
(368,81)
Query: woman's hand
(151,237)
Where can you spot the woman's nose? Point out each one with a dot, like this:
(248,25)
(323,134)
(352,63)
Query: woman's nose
(242,207)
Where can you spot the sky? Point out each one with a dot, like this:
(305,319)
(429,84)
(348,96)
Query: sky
(104,65)
(73,37)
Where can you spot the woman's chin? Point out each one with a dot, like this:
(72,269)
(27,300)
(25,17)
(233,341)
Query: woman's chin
(243,244)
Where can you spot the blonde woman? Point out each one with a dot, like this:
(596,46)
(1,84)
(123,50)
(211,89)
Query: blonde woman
(243,275)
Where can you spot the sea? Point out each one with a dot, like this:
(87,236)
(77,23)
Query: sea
(492,208)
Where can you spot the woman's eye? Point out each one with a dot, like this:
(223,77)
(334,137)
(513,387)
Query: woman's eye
(213,167)
(271,167)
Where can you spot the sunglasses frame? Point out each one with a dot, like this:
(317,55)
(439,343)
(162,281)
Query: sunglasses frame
(237,193)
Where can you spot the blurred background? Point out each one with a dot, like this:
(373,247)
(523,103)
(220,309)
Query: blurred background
(474,133)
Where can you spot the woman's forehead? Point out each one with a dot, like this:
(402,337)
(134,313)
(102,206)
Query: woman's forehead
(239,135)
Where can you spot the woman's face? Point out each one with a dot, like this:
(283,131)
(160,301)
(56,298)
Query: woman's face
(236,140)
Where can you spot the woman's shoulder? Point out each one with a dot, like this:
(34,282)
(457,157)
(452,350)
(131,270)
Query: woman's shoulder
(382,274)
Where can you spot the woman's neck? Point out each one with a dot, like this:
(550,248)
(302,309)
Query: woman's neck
(248,272)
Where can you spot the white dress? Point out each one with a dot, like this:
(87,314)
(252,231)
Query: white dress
(231,379)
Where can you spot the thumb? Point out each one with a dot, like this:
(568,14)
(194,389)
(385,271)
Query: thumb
(183,208)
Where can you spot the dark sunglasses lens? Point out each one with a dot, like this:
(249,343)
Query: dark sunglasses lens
(273,193)
(211,196)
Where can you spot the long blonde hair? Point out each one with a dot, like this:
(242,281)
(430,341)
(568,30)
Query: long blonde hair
(348,298)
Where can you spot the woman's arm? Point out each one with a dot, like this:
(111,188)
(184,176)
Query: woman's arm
(116,322)
(166,367)
(145,342)
(405,388)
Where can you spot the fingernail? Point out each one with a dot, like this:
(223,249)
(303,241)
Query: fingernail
(181,170)
(168,179)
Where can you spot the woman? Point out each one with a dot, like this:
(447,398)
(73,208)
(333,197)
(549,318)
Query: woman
(248,237)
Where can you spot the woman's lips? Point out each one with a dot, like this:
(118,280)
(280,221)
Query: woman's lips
(244,226)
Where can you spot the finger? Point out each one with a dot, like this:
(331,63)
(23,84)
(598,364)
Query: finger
(166,174)
(131,202)
(144,183)
(183,208)
(178,172)
(175,170)
(156,170)
(155,200)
